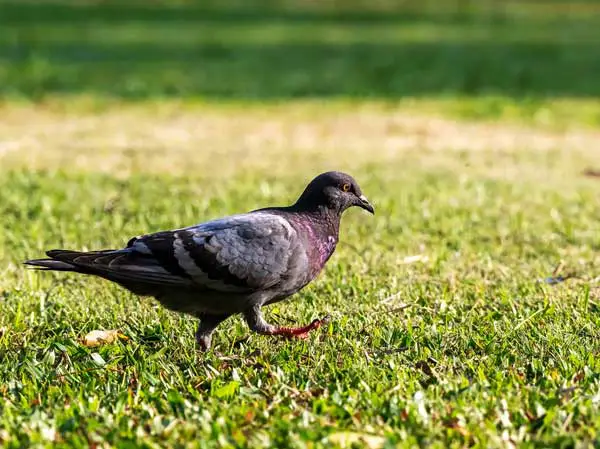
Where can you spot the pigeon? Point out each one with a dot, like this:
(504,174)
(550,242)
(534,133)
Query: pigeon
(232,265)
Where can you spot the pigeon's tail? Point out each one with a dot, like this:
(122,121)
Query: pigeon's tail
(139,272)
(50,264)
(63,260)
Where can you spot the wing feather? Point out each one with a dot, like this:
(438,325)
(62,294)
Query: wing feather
(242,253)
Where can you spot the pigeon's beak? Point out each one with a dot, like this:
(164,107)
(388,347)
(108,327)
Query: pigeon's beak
(364,203)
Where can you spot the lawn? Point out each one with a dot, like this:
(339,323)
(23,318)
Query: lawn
(471,130)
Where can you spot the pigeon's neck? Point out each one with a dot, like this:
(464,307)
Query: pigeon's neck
(331,220)
(324,221)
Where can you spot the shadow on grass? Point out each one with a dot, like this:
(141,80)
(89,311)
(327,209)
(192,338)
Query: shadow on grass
(141,52)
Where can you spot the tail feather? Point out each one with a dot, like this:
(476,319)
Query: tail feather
(50,264)
(123,266)
(64,260)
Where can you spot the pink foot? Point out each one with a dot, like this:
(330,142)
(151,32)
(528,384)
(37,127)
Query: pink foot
(300,332)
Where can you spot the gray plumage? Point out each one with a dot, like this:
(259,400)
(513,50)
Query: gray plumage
(230,265)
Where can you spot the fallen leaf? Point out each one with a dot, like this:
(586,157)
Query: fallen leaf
(98,360)
(348,439)
(415,258)
(592,173)
(97,338)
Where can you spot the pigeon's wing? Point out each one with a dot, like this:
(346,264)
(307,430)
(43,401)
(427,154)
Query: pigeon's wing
(242,253)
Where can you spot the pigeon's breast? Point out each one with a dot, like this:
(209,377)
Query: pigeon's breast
(321,249)
(326,247)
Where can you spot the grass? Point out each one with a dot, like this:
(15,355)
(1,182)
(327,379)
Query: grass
(137,119)
(466,347)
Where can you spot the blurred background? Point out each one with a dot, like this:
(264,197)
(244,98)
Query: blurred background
(287,49)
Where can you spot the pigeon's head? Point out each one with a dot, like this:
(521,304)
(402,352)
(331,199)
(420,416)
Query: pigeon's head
(335,190)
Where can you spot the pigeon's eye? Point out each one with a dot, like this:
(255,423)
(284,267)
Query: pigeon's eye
(346,187)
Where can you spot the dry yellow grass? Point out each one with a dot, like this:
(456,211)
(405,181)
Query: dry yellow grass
(222,141)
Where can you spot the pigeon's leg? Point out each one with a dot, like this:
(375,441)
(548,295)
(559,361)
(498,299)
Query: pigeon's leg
(257,323)
(206,327)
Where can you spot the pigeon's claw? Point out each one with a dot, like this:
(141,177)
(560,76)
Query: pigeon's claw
(206,327)
(203,342)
